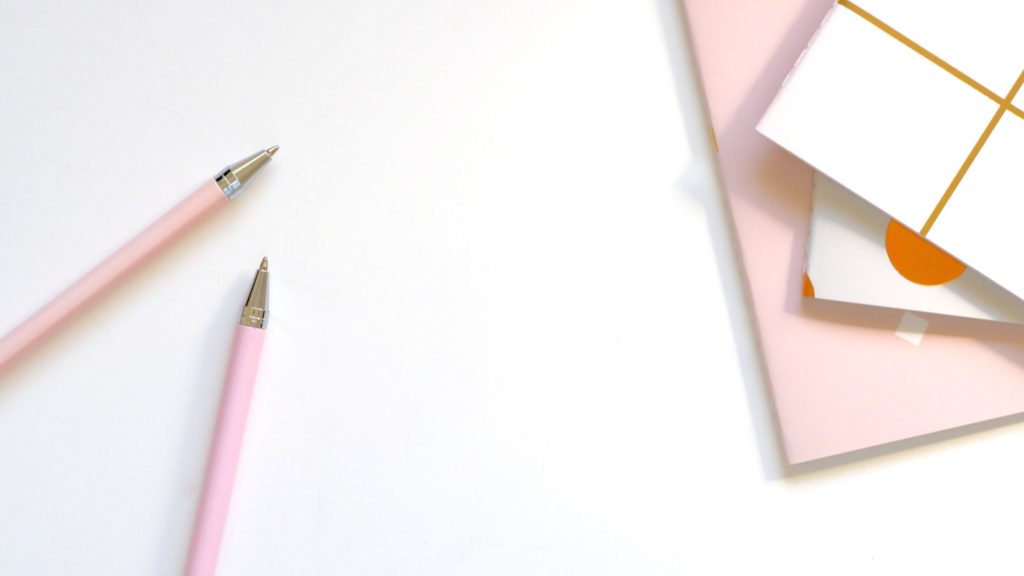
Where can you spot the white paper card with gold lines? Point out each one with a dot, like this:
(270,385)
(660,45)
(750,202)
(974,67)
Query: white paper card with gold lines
(915,106)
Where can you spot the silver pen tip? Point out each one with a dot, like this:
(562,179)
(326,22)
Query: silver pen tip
(254,313)
(233,179)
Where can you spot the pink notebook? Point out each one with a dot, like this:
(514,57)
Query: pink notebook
(840,376)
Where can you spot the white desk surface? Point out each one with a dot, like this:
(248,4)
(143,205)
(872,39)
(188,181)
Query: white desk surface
(507,334)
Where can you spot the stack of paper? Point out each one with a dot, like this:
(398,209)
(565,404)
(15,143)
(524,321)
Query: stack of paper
(909,111)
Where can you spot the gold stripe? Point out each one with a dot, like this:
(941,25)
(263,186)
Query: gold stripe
(970,158)
(932,57)
(714,140)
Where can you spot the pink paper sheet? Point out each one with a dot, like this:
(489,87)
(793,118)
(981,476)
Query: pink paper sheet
(840,378)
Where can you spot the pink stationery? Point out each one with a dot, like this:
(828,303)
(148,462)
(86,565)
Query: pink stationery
(210,196)
(212,515)
(842,377)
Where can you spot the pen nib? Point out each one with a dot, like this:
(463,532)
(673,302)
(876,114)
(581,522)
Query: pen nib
(233,178)
(254,314)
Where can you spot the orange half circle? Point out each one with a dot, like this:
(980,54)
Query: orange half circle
(917,259)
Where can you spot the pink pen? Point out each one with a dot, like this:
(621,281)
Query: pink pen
(227,438)
(214,194)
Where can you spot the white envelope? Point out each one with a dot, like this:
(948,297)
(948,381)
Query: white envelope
(848,260)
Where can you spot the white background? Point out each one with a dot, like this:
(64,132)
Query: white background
(507,336)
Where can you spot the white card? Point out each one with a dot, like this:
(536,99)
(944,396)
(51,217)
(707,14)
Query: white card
(912,105)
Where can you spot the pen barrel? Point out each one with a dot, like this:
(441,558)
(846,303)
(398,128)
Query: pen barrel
(109,272)
(225,450)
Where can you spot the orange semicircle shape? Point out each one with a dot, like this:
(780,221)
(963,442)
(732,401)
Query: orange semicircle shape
(917,259)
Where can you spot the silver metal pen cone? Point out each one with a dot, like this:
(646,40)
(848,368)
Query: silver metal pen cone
(234,178)
(254,313)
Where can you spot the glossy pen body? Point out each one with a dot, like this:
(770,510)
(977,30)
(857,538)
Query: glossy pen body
(226,448)
(210,196)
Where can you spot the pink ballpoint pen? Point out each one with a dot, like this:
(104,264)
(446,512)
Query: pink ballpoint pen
(227,439)
(214,194)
